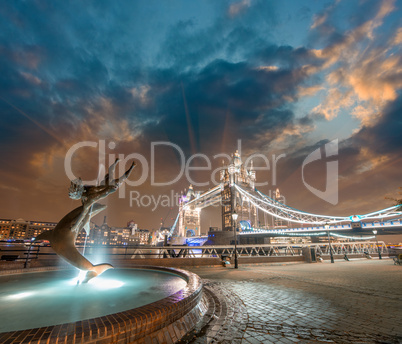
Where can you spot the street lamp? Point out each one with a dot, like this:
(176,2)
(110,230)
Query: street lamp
(329,242)
(234,217)
(378,248)
(29,251)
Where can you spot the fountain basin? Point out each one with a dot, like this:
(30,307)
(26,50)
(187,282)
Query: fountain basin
(120,306)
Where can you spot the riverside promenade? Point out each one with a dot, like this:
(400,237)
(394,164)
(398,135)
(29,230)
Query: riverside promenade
(347,302)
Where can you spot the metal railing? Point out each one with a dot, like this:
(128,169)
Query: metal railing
(351,247)
(267,250)
(140,252)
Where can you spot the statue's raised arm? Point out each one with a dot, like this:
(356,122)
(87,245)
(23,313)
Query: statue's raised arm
(90,194)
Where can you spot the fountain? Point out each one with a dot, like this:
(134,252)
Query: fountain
(121,306)
(127,305)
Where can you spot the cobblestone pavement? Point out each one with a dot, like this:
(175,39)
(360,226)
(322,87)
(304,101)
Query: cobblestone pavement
(230,317)
(347,302)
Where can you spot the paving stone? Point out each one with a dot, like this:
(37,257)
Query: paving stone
(345,302)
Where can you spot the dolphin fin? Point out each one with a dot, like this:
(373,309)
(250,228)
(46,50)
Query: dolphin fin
(47,235)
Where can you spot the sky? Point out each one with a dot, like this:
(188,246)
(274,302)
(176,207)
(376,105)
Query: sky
(198,77)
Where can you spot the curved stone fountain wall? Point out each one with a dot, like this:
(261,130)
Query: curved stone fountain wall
(163,321)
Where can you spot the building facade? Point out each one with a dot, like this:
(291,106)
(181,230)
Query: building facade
(98,235)
(21,229)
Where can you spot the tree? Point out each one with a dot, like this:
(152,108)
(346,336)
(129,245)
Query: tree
(397,201)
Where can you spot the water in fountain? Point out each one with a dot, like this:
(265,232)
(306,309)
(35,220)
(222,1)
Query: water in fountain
(41,299)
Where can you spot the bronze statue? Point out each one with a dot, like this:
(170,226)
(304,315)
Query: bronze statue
(62,238)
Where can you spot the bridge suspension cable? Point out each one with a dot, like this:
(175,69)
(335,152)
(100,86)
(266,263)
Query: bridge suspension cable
(284,212)
(174,224)
(206,199)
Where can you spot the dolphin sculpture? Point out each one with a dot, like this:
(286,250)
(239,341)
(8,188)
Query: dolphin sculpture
(62,240)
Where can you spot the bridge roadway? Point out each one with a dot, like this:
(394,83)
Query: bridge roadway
(383,228)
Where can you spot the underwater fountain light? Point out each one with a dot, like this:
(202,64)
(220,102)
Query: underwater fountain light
(19,296)
(104,283)
(81,277)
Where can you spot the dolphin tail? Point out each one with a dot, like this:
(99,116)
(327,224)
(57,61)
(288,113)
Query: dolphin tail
(101,268)
(96,271)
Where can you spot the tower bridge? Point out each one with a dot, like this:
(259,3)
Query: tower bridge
(237,193)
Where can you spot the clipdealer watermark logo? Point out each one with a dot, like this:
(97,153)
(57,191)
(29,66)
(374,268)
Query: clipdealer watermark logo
(330,194)
(187,166)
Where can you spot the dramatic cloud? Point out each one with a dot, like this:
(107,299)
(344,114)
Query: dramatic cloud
(200,75)
(364,70)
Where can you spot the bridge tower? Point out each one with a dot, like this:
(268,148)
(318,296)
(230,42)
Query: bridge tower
(189,215)
(237,173)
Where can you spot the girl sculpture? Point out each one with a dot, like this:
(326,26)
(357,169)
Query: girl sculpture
(62,238)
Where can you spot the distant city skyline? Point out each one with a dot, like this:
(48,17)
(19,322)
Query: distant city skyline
(280,79)
(102,234)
